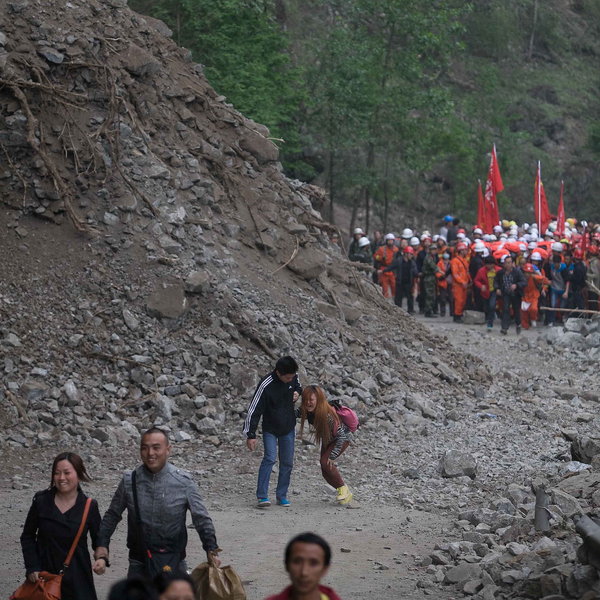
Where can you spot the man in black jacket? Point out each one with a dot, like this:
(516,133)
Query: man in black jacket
(509,285)
(274,400)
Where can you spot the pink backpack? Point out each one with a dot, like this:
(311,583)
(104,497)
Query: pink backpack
(347,416)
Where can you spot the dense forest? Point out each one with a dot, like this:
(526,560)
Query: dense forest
(393,105)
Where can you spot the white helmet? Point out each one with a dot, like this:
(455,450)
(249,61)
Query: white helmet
(493,238)
(358,231)
(532,245)
(548,233)
(414,241)
(497,229)
(503,236)
(552,226)
(460,236)
(389,236)
(425,235)
(487,237)
(536,256)
(525,226)
(407,233)
(533,237)
(485,253)
(364,241)
(435,238)
(467,241)
(477,231)
(557,247)
(479,246)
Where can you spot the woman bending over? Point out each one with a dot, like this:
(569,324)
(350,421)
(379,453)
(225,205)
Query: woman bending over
(330,432)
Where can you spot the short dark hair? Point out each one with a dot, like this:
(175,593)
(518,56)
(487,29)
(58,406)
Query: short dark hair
(286,365)
(308,538)
(133,588)
(489,260)
(77,463)
(156,430)
(455,221)
(163,580)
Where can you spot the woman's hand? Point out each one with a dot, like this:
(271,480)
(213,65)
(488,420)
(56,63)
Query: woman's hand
(99,566)
(33,576)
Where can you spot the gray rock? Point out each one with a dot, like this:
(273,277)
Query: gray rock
(12,340)
(33,391)
(182,436)
(75,340)
(51,55)
(2,39)
(71,391)
(110,219)
(462,573)
(139,62)
(544,543)
(100,434)
(263,149)
(168,301)
(164,407)
(473,317)
(583,448)
(309,263)
(567,503)
(455,463)
(576,325)
(419,403)
(168,244)
(197,282)
(130,319)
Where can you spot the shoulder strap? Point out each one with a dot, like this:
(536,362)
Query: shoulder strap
(86,511)
(138,518)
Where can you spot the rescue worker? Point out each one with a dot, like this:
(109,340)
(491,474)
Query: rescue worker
(363,253)
(461,279)
(428,279)
(484,283)
(444,279)
(509,284)
(405,271)
(384,257)
(356,235)
(578,278)
(535,286)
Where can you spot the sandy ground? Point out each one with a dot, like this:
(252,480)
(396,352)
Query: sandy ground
(383,540)
(382,544)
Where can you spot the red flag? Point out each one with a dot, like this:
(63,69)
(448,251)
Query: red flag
(542,214)
(561,212)
(480,207)
(493,185)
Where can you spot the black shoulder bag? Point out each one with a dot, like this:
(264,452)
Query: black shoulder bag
(159,560)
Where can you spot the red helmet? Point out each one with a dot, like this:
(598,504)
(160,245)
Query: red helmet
(528,268)
(461,246)
(409,250)
(594,250)
(578,253)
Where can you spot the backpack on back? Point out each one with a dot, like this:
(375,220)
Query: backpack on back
(347,416)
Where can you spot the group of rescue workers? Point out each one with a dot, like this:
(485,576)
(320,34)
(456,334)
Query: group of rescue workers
(514,272)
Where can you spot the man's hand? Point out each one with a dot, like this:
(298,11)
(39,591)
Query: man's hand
(99,566)
(513,287)
(296,396)
(33,576)
(212,558)
(251,444)
(565,295)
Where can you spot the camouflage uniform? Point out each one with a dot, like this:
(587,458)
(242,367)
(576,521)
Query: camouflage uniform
(429,282)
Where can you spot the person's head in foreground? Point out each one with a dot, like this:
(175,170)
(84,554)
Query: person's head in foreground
(307,559)
(174,586)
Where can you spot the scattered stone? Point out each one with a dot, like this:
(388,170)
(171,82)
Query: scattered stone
(455,463)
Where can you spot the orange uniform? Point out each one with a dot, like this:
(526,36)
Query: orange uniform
(442,282)
(459,267)
(384,257)
(531,295)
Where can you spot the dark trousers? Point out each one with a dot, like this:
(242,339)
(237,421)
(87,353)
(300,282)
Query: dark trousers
(490,309)
(404,290)
(509,302)
(329,470)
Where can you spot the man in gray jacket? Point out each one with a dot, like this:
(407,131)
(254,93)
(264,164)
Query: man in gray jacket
(158,534)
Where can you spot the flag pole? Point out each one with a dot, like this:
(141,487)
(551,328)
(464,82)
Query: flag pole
(539,191)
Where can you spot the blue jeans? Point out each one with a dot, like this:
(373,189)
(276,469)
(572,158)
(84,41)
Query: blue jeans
(556,301)
(286,461)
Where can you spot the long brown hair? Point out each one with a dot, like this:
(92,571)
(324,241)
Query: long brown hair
(77,463)
(323,410)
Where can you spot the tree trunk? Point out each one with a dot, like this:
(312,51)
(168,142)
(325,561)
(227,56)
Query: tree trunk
(533,30)
(355,203)
(386,191)
(330,184)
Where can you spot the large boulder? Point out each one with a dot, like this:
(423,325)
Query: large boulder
(455,463)
(168,301)
(309,263)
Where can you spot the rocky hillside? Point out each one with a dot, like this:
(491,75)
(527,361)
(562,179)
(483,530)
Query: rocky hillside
(157,260)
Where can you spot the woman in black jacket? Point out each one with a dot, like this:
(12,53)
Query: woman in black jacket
(52,524)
